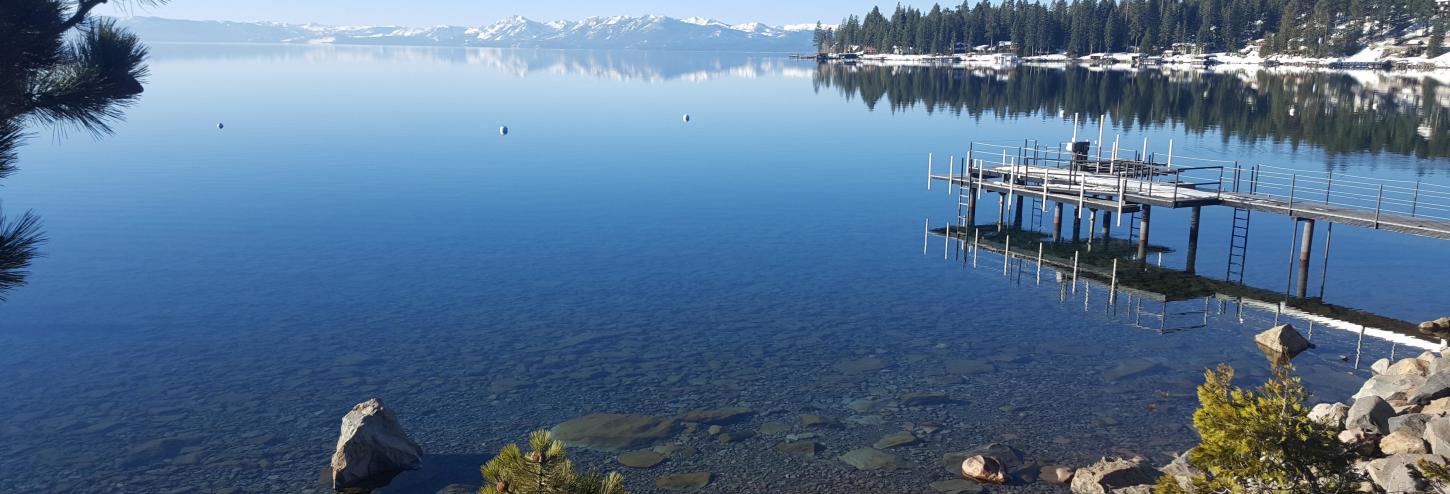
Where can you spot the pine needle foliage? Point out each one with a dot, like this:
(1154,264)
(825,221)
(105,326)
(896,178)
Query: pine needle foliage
(1436,473)
(1262,440)
(61,67)
(544,470)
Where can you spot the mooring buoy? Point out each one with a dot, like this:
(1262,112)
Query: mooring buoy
(219,126)
(687,118)
(503,131)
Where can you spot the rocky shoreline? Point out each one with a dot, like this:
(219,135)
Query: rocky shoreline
(1401,415)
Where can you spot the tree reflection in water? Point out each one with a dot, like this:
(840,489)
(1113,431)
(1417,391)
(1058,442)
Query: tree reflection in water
(1342,113)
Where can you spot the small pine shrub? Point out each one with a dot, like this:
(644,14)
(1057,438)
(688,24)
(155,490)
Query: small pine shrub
(1262,440)
(544,470)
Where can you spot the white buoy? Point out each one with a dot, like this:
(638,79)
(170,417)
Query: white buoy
(687,118)
(503,131)
(219,126)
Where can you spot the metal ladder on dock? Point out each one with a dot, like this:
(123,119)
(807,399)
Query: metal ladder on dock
(1036,213)
(1238,248)
(1134,228)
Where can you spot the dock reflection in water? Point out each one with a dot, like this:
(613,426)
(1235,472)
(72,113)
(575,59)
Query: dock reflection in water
(1145,294)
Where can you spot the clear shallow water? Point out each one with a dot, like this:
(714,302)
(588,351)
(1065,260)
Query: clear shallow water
(360,229)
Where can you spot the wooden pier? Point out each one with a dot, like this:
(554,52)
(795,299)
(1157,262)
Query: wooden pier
(1118,184)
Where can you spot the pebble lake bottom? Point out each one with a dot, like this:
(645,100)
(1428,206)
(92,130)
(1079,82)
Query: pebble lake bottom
(212,301)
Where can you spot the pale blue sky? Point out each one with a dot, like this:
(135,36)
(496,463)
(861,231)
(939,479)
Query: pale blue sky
(473,12)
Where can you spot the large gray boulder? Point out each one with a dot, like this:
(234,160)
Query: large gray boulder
(1282,341)
(1370,414)
(1331,414)
(1413,422)
(371,449)
(1389,386)
(1437,434)
(1111,474)
(1437,364)
(1399,474)
(1435,386)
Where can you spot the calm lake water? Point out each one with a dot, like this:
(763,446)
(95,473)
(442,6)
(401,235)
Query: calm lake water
(213,301)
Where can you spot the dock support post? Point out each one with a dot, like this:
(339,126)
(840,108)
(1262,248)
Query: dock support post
(1107,226)
(1191,264)
(972,208)
(1077,224)
(1306,244)
(1143,233)
(1092,224)
(1056,222)
(1017,214)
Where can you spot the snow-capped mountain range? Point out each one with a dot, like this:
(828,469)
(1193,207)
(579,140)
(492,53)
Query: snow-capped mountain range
(645,32)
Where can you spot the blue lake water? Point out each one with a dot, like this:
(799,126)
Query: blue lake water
(211,302)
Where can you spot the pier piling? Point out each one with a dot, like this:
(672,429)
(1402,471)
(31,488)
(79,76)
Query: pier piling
(1056,221)
(1306,245)
(1143,233)
(1017,213)
(1191,264)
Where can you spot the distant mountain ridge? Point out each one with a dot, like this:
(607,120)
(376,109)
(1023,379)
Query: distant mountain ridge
(644,32)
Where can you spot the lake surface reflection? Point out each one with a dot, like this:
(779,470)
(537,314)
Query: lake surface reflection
(212,302)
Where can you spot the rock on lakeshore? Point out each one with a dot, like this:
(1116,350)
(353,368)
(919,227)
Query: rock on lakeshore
(1282,341)
(985,469)
(371,449)
(1331,414)
(1370,414)
(1111,474)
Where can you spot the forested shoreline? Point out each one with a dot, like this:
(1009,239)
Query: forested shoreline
(1316,28)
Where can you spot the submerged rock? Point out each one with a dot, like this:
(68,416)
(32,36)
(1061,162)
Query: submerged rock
(614,432)
(718,415)
(869,459)
(641,459)
(923,399)
(860,366)
(903,438)
(683,481)
(801,448)
(774,427)
(813,420)
(1282,341)
(1111,474)
(1130,368)
(957,486)
(371,449)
